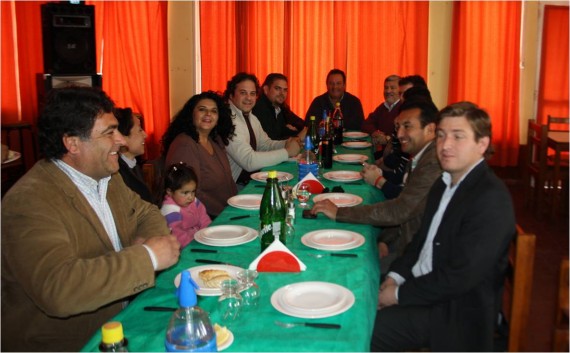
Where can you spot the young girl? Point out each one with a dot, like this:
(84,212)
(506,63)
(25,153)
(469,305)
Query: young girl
(184,213)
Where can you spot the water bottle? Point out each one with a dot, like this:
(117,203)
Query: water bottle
(309,162)
(190,329)
(112,338)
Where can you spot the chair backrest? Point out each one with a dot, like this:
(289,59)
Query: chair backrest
(556,123)
(152,171)
(518,288)
(537,145)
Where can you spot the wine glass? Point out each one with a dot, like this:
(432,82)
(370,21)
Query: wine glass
(303,195)
(249,290)
(230,302)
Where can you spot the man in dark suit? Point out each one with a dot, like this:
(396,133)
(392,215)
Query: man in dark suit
(445,291)
(275,116)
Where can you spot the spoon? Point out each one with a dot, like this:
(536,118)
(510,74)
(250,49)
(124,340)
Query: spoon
(310,324)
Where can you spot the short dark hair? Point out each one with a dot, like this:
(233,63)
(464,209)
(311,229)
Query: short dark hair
(70,111)
(272,77)
(478,118)
(183,121)
(417,93)
(414,80)
(125,118)
(428,110)
(337,72)
(240,77)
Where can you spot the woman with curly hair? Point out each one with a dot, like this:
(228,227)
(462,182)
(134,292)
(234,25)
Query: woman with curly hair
(198,136)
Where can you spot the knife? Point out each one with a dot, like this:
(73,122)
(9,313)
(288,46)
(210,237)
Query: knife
(344,255)
(158,308)
(204,250)
(206,261)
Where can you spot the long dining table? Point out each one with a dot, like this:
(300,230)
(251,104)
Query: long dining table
(256,330)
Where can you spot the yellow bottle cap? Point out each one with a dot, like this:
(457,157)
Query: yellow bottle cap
(272,174)
(112,332)
(312,117)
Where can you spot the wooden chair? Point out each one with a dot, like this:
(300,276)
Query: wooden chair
(560,339)
(18,137)
(152,173)
(537,173)
(518,288)
(556,123)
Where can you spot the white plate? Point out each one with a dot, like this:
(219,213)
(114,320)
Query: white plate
(203,290)
(224,234)
(340,199)
(251,235)
(333,239)
(356,144)
(12,156)
(312,300)
(355,134)
(342,175)
(262,176)
(246,201)
(228,342)
(350,158)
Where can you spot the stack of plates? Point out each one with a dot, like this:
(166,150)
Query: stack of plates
(262,176)
(202,289)
(333,239)
(343,176)
(355,134)
(226,235)
(246,201)
(312,299)
(357,144)
(340,199)
(350,158)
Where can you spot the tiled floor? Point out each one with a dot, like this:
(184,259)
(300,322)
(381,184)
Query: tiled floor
(551,247)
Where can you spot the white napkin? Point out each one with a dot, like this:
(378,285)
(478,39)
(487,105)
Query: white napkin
(308,177)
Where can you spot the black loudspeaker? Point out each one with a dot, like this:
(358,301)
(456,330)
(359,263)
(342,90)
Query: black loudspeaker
(45,83)
(68,33)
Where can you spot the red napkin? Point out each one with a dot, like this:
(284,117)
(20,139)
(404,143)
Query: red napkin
(278,261)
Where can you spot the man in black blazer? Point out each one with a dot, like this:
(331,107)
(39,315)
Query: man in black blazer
(445,291)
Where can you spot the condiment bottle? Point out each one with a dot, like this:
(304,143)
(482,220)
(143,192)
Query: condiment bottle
(113,338)
(338,123)
(190,328)
(327,146)
(272,213)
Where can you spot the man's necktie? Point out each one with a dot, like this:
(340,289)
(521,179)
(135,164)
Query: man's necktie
(252,140)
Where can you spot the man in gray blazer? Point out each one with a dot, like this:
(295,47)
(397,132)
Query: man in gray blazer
(76,241)
(401,216)
(444,292)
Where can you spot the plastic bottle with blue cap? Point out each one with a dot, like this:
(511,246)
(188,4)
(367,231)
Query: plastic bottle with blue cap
(190,328)
(309,162)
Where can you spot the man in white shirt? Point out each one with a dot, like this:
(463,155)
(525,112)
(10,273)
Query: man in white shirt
(444,291)
(76,241)
(251,149)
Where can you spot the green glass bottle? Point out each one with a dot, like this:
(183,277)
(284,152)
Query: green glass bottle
(272,213)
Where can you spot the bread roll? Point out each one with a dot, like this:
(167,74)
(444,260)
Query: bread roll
(213,278)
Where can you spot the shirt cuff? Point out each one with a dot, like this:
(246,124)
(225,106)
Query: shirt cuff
(396,277)
(152,257)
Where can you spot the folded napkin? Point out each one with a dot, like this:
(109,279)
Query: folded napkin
(315,186)
(277,258)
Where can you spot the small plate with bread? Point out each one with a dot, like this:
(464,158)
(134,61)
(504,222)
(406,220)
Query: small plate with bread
(209,278)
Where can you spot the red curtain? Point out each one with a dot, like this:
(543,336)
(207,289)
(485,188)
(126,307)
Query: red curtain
(309,38)
(553,85)
(134,60)
(485,68)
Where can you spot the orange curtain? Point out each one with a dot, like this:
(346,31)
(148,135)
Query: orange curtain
(368,40)
(553,91)
(485,68)
(134,56)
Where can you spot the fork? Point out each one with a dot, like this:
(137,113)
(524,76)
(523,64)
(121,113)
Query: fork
(318,256)
(310,324)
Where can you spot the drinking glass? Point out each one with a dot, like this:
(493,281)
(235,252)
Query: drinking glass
(249,290)
(230,302)
(303,195)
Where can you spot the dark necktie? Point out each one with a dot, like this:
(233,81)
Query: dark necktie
(252,140)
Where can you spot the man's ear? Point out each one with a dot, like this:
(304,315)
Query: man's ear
(71,143)
(265,89)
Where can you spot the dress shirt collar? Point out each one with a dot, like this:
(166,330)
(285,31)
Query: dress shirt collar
(417,157)
(130,162)
(82,180)
(391,106)
(446,177)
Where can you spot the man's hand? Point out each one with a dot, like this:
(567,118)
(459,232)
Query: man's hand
(327,207)
(166,249)
(387,294)
(293,146)
(383,249)
(370,173)
(379,138)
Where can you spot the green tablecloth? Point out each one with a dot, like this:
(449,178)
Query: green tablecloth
(256,331)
